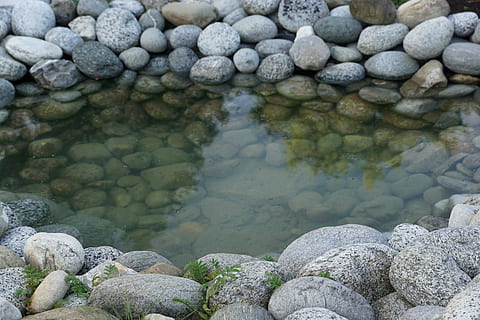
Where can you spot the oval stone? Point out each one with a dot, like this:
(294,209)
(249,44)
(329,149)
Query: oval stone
(414,12)
(463,57)
(339,30)
(275,67)
(32,18)
(212,70)
(255,28)
(375,39)
(97,61)
(341,74)
(218,39)
(31,50)
(298,88)
(293,14)
(118,29)
(391,65)
(373,11)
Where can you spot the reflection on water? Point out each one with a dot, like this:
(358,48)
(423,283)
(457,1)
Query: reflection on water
(245,170)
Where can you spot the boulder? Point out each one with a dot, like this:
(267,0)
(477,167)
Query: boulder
(309,53)
(32,19)
(405,234)
(118,29)
(15,238)
(315,313)
(73,313)
(242,311)
(465,303)
(293,14)
(97,61)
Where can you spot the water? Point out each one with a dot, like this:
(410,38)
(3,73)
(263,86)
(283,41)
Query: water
(235,171)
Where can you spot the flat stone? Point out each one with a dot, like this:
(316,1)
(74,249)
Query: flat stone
(379,95)
(391,65)
(341,74)
(31,50)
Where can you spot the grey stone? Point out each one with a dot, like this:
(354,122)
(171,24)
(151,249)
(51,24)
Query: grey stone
(91,8)
(293,14)
(15,238)
(135,58)
(64,10)
(241,311)
(404,235)
(465,304)
(462,57)
(360,267)
(464,23)
(212,70)
(391,307)
(55,74)
(381,208)
(273,46)
(373,12)
(341,74)
(9,258)
(456,91)
(141,260)
(391,65)
(11,70)
(427,274)
(246,60)
(8,310)
(315,313)
(31,212)
(152,18)
(320,292)
(4,217)
(155,296)
(226,259)
(345,54)
(157,66)
(309,53)
(154,4)
(153,40)
(181,60)
(185,36)
(415,108)
(6,16)
(275,67)
(218,39)
(412,185)
(379,95)
(61,228)
(134,7)
(423,313)
(97,255)
(475,37)
(32,18)
(255,28)
(7,93)
(458,185)
(235,16)
(65,38)
(84,26)
(225,7)
(31,50)
(4,28)
(12,280)
(315,243)
(375,39)
(97,61)
(341,30)
(118,29)
(260,7)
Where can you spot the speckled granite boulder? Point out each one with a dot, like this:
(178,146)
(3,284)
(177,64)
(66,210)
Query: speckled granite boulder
(30,211)
(391,307)
(141,260)
(423,313)
(15,238)
(12,280)
(32,18)
(118,29)
(11,70)
(212,70)
(241,311)
(97,61)
(8,310)
(275,67)
(5,211)
(375,39)
(465,304)
(226,259)
(96,255)
(293,14)
(404,235)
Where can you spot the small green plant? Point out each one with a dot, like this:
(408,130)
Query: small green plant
(274,281)
(269,258)
(32,277)
(325,274)
(110,272)
(77,287)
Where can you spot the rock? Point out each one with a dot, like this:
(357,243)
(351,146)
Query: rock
(134,7)
(320,292)
(353,107)
(314,313)
(64,10)
(309,53)
(456,91)
(156,295)
(423,313)
(7,93)
(375,39)
(246,60)
(9,311)
(417,11)
(255,28)
(475,37)
(97,255)
(30,212)
(378,95)
(93,8)
(293,14)
(404,235)
(439,31)
(198,13)
(345,54)
(427,274)
(9,259)
(429,76)
(226,7)
(152,18)
(153,40)
(272,46)
(181,60)
(464,304)
(235,16)
(54,110)
(415,108)
(65,38)
(373,12)
(135,58)
(411,186)
(73,312)
(212,70)
(88,198)
(464,23)
(360,267)
(391,307)
(31,50)
(341,74)
(15,238)
(141,260)
(308,247)
(458,185)
(32,19)
(275,68)
(4,218)
(461,215)
(85,27)
(391,65)
(96,275)
(53,288)
(12,281)
(118,29)
(11,70)
(97,61)
(55,251)
(241,311)
(462,57)
(218,39)
(55,74)
(225,259)
(341,30)
(297,88)
(185,36)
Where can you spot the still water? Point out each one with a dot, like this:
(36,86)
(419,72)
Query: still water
(225,169)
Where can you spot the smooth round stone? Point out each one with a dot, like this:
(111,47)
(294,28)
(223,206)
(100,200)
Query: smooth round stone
(84,26)
(181,60)
(218,39)
(152,18)
(275,67)
(235,16)
(4,29)
(475,37)
(65,38)
(373,11)
(273,46)
(185,36)
(339,30)
(7,93)
(297,88)
(375,39)
(64,10)
(310,53)
(31,50)
(55,74)
(462,57)
(456,91)
(91,8)
(345,54)
(253,29)
(224,7)
(197,13)
(156,66)
(118,29)
(11,70)
(97,61)
(341,11)
(153,40)
(342,74)
(32,18)
(391,65)
(212,70)
(414,12)
(293,14)
(8,310)
(246,60)
(264,7)
(134,7)
(134,58)
(464,23)
(379,95)
(438,31)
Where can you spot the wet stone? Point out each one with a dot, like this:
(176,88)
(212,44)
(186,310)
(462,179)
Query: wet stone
(341,74)
(275,67)
(373,12)
(341,30)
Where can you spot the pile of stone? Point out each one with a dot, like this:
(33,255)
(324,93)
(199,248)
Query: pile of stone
(351,271)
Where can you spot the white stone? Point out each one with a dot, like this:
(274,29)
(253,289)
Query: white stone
(462,214)
(85,27)
(310,53)
(53,288)
(31,50)
(304,31)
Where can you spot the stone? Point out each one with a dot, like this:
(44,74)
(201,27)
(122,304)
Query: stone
(32,19)
(64,10)
(411,186)
(391,65)
(31,50)
(53,288)
(423,313)
(429,76)
(235,16)
(246,60)
(153,40)
(7,93)
(297,88)
(97,255)
(391,307)
(30,212)
(475,37)
(320,292)
(84,26)
(156,295)
(378,38)
(456,91)
(198,13)
(462,57)
(83,172)
(241,311)
(15,238)
(55,251)
(464,304)
(218,39)
(427,274)
(185,36)
(341,74)
(91,8)
(273,46)
(118,29)
(458,185)
(11,70)
(212,70)
(345,54)
(8,310)
(353,107)
(314,313)
(226,259)
(341,30)
(135,58)
(417,11)
(152,18)
(379,95)
(12,281)
(55,74)
(404,235)
(439,31)
(181,60)
(73,312)
(464,23)
(10,259)
(54,110)
(88,198)
(65,38)
(373,12)
(97,61)
(255,28)
(134,7)
(293,14)
(226,7)
(275,67)
(309,53)
(415,108)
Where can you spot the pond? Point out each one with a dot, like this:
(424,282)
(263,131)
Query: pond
(244,168)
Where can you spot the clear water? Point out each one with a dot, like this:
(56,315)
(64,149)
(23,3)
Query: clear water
(255,173)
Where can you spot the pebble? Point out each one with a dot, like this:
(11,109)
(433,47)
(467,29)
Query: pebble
(248,29)
(381,12)
(197,13)
(218,39)
(97,61)
(391,65)
(464,23)
(185,36)
(7,93)
(64,10)
(91,8)
(55,74)
(11,69)
(135,58)
(84,26)
(53,288)
(181,60)
(134,7)
(412,13)
(462,57)
(272,46)
(341,74)
(152,18)
(246,60)
(345,54)
(212,70)
(340,30)
(309,53)
(118,29)
(65,38)
(275,67)
(375,39)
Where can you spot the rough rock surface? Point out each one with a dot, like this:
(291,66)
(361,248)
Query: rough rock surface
(97,61)
(118,29)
